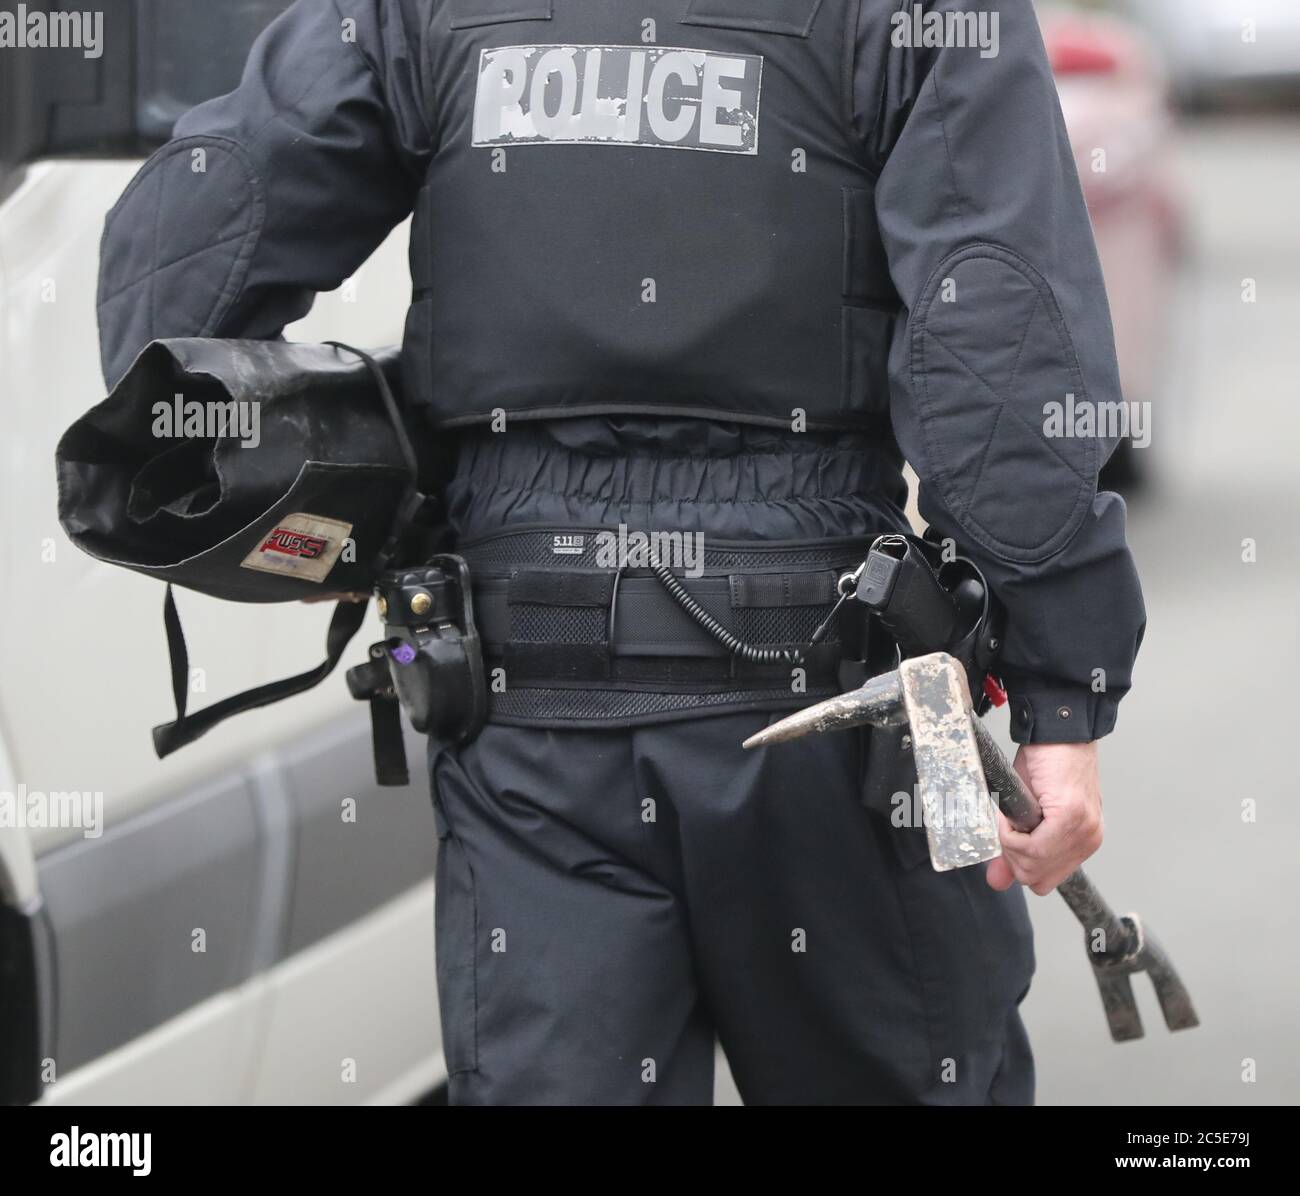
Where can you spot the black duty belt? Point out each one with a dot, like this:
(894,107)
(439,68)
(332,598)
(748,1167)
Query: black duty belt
(555,609)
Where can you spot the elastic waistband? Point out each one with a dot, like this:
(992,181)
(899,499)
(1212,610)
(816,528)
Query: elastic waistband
(725,481)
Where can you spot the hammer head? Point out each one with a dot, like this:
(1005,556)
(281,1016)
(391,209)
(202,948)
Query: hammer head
(930,694)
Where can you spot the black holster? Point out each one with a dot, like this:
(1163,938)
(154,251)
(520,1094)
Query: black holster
(928,600)
(917,598)
(430,663)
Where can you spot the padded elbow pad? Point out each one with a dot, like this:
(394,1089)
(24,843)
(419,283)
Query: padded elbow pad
(177,245)
(990,349)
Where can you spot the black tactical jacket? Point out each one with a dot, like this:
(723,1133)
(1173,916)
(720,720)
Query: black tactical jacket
(811,215)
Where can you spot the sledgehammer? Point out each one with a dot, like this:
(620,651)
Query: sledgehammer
(957,764)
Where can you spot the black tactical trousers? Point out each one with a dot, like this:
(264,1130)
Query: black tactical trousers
(610,901)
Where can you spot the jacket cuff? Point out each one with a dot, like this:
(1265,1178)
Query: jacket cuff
(1042,712)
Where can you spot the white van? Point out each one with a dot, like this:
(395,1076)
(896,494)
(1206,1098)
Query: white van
(250,920)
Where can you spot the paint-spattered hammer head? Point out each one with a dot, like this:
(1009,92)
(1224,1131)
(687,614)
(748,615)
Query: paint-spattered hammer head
(928,692)
(959,820)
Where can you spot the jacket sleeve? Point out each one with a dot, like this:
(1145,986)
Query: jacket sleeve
(1004,347)
(274,192)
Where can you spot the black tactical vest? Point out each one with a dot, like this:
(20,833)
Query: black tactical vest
(647,208)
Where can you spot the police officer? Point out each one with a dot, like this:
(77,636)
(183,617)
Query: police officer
(715,267)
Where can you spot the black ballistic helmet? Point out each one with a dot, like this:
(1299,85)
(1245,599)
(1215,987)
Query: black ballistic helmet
(256,471)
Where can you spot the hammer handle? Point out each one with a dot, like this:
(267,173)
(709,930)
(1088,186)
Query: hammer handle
(1024,813)
(1017,803)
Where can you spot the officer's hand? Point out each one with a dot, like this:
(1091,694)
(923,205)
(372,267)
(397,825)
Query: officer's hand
(1063,777)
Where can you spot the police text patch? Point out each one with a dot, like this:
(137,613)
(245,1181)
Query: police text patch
(618,95)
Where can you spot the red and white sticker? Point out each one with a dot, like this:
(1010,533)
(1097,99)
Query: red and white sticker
(301,545)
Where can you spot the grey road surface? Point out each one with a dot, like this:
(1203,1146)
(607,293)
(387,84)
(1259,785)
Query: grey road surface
(1200,780)
(1202,817)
